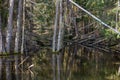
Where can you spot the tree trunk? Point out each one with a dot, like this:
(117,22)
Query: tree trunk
(60,39)
(0,35)
(1,48)
(9,26)
(23,27)
(17,38)
(55,40)
(55,26)
(61,29)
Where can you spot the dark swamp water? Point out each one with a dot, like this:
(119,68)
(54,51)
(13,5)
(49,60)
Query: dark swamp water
(80,64)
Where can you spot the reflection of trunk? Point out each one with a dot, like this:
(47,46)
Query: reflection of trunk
(53,66)
(58,66)
(61,29)
(0,68)
(22,71)
(28,77)
(8,70)
(16,68)
(71,61)
(119,70)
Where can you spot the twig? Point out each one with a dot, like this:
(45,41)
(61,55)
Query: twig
(23,61)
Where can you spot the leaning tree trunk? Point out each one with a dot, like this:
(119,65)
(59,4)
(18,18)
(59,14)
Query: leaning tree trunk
(9,26)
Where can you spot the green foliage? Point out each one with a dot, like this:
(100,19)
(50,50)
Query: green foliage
(44,11)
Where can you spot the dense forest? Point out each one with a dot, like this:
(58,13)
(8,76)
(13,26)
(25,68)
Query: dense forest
(59,39)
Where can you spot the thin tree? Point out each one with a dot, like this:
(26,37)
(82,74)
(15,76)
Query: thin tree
(23,27)
(23,35)
(55,39)
(19,17)
(9,37)
(1,47)
(17,38)
(9,26)
(60,39)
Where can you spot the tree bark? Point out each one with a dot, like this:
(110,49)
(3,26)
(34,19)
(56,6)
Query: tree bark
(60,40)
(23,27)
(61,29)
(55,40)
(0,35)
(17,38)
(94,17)
(9,26)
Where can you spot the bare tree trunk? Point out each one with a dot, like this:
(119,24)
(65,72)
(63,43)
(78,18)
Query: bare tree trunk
(1,47)
(9,38)
(61,29)
(9,26)
(55,26)
(55,40)
(23,36)
(60,40)
(17,38)
(94,17)
(23,27)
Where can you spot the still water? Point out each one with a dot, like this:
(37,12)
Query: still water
(84,65)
